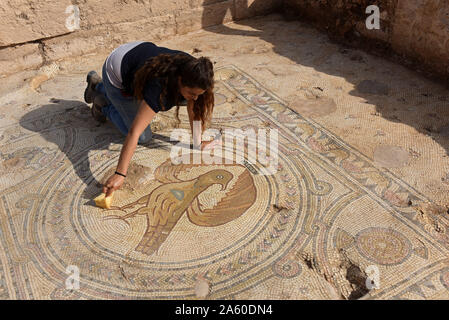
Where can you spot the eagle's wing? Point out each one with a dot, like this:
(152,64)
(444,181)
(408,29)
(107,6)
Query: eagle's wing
(161,218)
(168,172)
(237,200)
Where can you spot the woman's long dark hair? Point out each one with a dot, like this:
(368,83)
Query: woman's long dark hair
(194,73)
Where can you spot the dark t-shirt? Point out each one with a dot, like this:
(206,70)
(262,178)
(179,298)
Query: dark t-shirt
(133,60)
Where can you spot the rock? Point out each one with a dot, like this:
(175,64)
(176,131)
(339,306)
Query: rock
(46,72)
(36,82)
(390,156)
(202,289)
(432,209)
(314,107)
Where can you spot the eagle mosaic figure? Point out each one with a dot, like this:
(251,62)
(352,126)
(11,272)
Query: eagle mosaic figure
(164,206)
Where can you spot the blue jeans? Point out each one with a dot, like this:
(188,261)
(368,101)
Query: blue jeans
(120,110)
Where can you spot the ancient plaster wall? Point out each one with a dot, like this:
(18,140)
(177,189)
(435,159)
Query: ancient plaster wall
(34,33)
(417,30)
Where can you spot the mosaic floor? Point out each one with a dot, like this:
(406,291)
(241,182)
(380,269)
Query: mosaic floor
(325,224)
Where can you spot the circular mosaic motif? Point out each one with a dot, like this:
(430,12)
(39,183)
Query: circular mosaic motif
(128,252)
(287,269)
(383,246)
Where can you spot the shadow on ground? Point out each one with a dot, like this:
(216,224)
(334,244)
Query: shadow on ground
(68,124)
(395,99)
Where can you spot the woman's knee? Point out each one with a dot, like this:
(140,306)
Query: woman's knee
(145,137)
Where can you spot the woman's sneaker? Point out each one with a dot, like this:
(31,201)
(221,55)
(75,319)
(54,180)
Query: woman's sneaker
(92,80)
(99,102)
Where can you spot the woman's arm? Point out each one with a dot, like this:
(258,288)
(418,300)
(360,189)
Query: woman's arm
(197,130)
(141,122)
(195,127)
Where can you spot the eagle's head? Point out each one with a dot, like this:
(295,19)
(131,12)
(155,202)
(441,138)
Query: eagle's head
(219,176)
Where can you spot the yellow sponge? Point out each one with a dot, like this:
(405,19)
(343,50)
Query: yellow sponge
(103,202)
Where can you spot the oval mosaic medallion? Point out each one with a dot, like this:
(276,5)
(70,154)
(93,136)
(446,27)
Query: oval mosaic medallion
(383,246)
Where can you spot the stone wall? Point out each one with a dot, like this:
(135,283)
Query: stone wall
(417,31)
(421,31)
(35,33)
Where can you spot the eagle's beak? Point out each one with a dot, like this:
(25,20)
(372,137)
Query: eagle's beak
(224,186)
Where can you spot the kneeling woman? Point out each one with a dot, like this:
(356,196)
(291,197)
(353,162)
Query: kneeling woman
(141,79)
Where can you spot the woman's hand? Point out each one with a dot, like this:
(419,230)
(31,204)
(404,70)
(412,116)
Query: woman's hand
(112,184)
(141,121)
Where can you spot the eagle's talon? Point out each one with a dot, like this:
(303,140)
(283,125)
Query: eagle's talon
(117,208)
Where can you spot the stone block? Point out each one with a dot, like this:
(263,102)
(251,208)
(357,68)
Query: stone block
(19,58)
(109,37)
(156,28)
(75,45)
(23,21)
